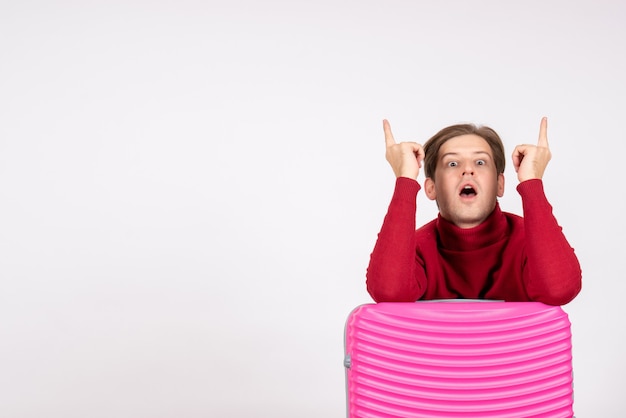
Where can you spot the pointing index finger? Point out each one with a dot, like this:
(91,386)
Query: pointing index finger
(389,140)
(543,133)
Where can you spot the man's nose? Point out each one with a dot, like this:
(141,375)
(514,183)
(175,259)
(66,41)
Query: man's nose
(468,169)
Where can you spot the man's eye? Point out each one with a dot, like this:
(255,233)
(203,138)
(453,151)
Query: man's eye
(481,162)
(452,164)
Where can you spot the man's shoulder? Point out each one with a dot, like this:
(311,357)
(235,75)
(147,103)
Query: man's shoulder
(427,229)
(514,221)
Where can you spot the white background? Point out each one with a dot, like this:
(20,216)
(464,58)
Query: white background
(190,191)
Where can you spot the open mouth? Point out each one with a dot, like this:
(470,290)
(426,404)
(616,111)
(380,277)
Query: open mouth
(468,191)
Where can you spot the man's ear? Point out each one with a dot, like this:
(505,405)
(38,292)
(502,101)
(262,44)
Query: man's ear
(500,185)
(429,188)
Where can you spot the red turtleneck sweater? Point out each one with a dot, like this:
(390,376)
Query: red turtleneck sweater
(507,257)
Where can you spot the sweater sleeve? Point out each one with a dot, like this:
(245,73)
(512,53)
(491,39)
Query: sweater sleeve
(552,274)
(390,274)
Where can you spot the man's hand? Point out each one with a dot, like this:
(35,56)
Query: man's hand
(530,161)
(405,158)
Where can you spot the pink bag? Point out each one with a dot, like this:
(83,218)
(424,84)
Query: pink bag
(478,359)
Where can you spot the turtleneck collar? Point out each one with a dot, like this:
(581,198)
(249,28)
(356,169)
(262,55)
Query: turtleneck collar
(493,229)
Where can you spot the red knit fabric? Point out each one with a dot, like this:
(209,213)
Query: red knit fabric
(507,257)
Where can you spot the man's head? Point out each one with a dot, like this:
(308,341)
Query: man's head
(464,167)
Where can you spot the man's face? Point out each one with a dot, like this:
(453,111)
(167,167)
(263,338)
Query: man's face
(466,182)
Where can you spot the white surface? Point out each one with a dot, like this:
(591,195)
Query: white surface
(190,191)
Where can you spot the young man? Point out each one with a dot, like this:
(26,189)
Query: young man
(473,250)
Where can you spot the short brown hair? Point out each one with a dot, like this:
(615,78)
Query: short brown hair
(431,147)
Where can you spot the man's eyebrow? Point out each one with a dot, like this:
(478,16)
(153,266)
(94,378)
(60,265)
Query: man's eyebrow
(454,154)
